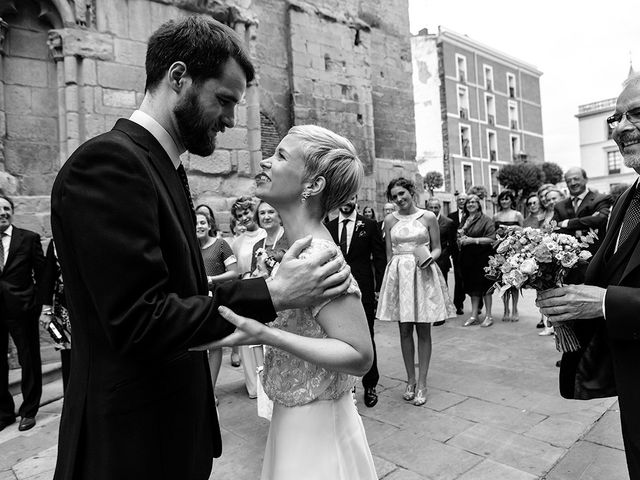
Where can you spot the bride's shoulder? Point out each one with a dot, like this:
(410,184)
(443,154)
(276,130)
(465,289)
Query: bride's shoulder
(320,245)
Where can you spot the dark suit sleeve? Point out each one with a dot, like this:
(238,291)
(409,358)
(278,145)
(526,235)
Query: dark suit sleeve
(621,310)
(106,209)
(379,255)
(597,218)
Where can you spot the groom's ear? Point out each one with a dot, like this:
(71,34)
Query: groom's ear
(177,76)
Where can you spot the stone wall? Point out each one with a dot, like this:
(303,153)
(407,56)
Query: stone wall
(71,68)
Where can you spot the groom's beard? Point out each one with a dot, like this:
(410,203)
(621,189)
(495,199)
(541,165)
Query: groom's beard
(193,127)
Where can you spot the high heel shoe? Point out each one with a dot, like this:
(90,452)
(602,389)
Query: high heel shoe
(421,397)
(472,321)
(410,393)
(488,321)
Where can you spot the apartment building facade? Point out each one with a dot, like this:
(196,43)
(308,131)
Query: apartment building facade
(477,109)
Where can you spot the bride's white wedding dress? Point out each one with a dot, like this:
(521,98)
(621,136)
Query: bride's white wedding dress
(316,431)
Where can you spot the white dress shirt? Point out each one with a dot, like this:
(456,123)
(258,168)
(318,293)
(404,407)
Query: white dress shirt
(351,224)
(167,142)
(6,241)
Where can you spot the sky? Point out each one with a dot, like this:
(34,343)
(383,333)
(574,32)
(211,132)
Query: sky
(582,47)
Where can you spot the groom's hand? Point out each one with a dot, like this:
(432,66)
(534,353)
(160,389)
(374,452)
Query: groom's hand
(304,282)
(571,302)
(247,332)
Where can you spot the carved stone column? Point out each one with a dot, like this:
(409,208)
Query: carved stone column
(69,48)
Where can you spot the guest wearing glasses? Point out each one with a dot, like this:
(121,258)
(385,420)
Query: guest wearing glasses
(536,214)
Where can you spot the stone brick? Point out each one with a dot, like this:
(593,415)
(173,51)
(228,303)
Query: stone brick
(129,52)
(8,183)
(123,77)
(118,98)
(244,163)
(27,157)
(37,129)
(27,43)
(89,76)
(17,99)
(23,71)
(32,205)
(94,125)
(115,112)
(71,98)
(44,102)
(233,139)
(219,163)
(82,43)
(37,184)
(112,17)
(140,26)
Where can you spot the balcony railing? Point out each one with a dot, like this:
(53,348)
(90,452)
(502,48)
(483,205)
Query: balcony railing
(464,113)
(493,155)
(461,77)
(514,125)
(489,85)
(491,119)
(512,92)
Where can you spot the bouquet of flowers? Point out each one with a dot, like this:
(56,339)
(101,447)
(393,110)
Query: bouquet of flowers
(539,259)
(265,263)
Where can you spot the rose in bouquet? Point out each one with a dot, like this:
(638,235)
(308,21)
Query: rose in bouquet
(539,259)
(265,263)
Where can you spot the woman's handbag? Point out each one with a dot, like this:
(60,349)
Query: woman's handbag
(423,256)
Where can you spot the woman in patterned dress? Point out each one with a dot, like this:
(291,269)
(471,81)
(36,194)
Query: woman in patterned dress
(412,294)
(314,354)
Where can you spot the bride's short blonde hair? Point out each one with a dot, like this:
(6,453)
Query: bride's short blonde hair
(329,155)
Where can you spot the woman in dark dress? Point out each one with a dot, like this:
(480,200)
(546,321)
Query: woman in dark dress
(475,238)
(508,216)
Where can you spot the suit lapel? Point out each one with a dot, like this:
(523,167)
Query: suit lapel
(16,240)
(586,201)
(354,234)
(332,226)
(161,162)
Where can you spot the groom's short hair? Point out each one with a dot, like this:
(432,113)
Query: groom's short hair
(202,43)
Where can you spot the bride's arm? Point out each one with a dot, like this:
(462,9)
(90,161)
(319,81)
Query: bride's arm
(347,349)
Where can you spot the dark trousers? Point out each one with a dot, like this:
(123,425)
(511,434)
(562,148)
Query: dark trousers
(458,289)
(370,379)
(65,359)
(25,335)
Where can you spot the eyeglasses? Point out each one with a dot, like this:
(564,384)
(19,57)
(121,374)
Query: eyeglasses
(533,203)
(632,116)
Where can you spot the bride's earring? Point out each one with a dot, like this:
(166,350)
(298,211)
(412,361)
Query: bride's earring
(304,196)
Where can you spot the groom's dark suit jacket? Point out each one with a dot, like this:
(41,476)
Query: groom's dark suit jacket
(610,356)
(139,404)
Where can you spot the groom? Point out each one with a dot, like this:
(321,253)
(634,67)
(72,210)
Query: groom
(139,404)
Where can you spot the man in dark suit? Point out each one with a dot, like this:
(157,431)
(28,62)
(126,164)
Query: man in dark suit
(605,309)
(584,209)
(448,237)
(386,210)
(21,269)
(458,290)
(139,404)
(361,243)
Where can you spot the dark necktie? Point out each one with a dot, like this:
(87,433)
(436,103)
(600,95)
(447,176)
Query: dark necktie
(576,203)
(1,252)
(185,184)
(343,237)
(631,217)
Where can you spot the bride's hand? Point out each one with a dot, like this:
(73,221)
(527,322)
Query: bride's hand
(248,332)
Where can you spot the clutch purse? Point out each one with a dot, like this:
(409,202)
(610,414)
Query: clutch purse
(423,256)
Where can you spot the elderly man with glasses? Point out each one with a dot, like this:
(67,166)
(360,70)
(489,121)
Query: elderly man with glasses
(604,311)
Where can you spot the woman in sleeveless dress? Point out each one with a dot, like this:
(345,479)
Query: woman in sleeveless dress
(508,216)
(313,354)
(413,295)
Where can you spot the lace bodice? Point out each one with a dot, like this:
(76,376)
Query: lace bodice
(408,233)
(290,380)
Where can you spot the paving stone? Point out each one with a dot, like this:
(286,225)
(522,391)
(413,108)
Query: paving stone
(383,467)
(558,431)
(41,464)
(403,474)
(512,419)
(607,431)
(418,453)
(588,461)
(7,475)
(490,470)
(523,453)
(377,430)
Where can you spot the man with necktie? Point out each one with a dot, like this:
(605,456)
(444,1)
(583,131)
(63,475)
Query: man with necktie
(604,311)
(361,243)
(21,269)
(583,210)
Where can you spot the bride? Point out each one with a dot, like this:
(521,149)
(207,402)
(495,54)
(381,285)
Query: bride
(314,354)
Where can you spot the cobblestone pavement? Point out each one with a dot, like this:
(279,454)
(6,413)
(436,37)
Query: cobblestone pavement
(493,413)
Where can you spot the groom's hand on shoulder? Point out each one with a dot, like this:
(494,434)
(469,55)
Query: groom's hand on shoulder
(309,281)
